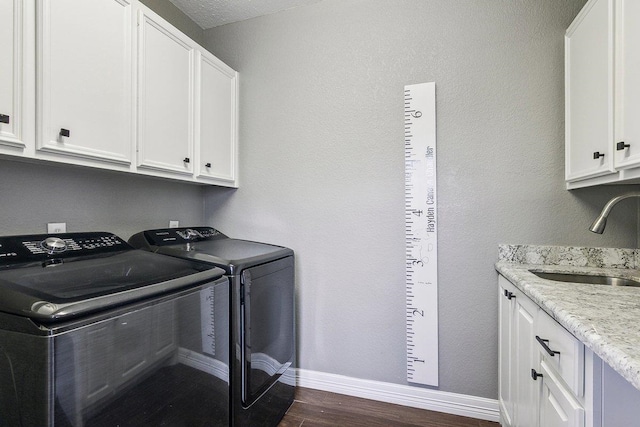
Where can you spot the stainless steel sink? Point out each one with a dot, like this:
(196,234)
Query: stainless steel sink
(585,278)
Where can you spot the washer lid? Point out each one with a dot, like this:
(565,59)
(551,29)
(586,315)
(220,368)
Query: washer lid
(66,287)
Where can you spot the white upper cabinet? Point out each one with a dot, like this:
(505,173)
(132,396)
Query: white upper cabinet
(165,96)
(589,92)
(110,84)
(602,99)
(85,80)
(216,120)
(627,140)
(187,106)
(13,55)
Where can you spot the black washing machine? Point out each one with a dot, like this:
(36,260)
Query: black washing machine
(261,282)
(96,333)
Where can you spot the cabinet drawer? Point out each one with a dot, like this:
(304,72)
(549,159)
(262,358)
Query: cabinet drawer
(558,407)
(561,351)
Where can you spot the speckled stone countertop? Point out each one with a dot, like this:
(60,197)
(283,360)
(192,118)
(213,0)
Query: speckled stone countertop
(606,318)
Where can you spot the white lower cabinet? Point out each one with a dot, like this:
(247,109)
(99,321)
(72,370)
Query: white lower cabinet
(547,376)
(506,360)
(558,406)
(542,381)
(525,358)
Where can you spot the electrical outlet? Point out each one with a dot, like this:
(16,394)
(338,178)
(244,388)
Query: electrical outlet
(174,224)
(56,227)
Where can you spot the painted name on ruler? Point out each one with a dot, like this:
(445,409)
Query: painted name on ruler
(421,234)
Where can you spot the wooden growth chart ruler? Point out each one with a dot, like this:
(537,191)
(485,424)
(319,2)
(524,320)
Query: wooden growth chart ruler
(421,233)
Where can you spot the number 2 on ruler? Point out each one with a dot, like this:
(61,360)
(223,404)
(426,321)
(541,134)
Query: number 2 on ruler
(421,234)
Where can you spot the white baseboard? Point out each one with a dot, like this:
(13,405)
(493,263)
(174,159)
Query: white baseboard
(416,397)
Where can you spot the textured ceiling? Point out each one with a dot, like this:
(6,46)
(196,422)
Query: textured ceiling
(211,13)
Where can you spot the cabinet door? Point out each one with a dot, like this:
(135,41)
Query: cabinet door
(506,361)
(558,407)
(589,89)
(165,97)
(216,120)
(526,359)
(11,91)
(84,60)
(627,152)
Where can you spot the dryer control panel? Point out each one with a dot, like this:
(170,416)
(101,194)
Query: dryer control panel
(173,236)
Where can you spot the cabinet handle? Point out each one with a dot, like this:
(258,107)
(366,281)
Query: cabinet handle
(186,160)
(508,294)
(207,165)
(544,345)
(65,132)
(597,155)
(535,375)
(621,146)
(4,118)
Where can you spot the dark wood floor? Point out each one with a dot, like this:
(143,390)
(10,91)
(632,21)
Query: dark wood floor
(321,408)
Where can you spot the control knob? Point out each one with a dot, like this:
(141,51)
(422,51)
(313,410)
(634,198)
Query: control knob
(54,244)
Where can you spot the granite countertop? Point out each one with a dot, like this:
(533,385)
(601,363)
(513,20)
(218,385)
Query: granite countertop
(606,318)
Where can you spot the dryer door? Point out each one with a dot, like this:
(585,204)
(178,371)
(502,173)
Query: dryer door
(267,325)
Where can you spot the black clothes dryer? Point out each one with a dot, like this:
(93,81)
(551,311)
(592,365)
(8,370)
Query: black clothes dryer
(261,282)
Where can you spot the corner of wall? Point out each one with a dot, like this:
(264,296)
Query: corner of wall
(176,17)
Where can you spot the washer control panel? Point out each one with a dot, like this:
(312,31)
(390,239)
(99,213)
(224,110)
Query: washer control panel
(39,247)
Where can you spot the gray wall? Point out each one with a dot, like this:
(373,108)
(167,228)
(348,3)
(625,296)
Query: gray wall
(322,169)
(91,200)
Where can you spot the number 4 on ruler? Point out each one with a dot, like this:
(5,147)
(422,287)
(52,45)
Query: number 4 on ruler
(421,227)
